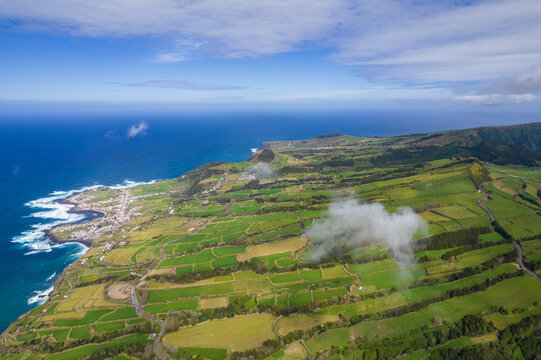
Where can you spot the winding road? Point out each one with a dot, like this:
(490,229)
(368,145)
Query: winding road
(481,204)
(521,262)
(517,245)
(158,346)
(140,313)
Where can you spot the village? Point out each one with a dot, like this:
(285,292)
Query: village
(115,212)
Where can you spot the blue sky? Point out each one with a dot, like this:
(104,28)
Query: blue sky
(335,52)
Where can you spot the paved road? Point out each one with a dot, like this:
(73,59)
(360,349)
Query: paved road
(158,346)
(517,245)
(521,262)
(481,204)
(158,340)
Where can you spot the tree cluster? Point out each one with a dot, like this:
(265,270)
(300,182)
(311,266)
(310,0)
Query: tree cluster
(451,239)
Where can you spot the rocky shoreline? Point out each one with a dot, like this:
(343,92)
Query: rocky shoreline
(90,215)
(54,239)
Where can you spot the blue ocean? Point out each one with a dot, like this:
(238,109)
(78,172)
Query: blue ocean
(45,157)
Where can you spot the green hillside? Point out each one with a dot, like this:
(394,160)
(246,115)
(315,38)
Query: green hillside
(260,259)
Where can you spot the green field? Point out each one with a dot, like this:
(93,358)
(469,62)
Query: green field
(232,268)
(235,334)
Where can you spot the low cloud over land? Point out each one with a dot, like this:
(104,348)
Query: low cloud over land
(356,224)
(260,171)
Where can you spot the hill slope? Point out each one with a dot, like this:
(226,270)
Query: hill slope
(288,255)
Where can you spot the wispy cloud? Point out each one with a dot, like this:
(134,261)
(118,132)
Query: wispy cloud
(182,50)
(496,99)
(171,57)
(355,224)
(184,84)
(232,29)
(486,44)
(137,130)
(112,135)
(409,42)
(366,94)
(527,82)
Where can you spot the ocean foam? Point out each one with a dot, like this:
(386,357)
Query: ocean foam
(50,208)
(51,277)
(77,255)
(129,184)
(40,297)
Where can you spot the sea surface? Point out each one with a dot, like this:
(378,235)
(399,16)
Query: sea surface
(44,158)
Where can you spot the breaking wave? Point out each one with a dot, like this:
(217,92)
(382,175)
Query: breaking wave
(51,277)
(40,297)
(52,212)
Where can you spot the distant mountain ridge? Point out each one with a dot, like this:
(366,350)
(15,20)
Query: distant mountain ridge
(502,145)
(527,135)
(515,144)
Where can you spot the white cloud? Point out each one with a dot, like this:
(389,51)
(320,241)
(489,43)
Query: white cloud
(170,58)
(364,94)
(496,99)
(182,50)
(389,41)
(358,224)
(527,82)
(260,171)
(137,130)
(112,135)
(185,85)
(436,43)
(233,28)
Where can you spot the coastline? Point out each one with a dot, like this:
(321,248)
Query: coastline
(47,234)
(89,215)
(55,240)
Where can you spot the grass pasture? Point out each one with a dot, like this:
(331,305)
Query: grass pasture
(235,334)
(212,303)
(515,292)
(333,337)
(278,247)
(222,259)
(77,353)
(85,298)
(288,324)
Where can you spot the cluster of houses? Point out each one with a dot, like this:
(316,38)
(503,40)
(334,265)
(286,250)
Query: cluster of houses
(216,186)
